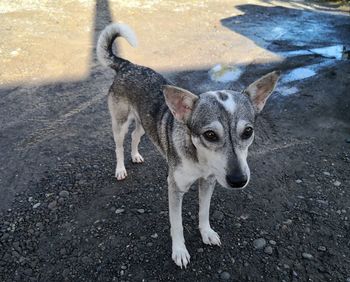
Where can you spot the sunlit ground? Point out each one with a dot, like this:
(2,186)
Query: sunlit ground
(47,41)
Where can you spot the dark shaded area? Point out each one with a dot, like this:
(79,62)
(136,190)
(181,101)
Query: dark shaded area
(103,17)
(284,29)
(318,5)
(38,115)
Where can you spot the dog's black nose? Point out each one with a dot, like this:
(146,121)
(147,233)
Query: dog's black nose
(236,180)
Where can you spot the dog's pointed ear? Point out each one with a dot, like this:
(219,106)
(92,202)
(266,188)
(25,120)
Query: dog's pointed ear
(260,90)
(179,101)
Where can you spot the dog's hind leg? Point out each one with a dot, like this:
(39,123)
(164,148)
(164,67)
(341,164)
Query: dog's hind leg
(206,188)
(135,140)
(120,124)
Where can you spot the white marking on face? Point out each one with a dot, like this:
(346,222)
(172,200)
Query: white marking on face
(229,104)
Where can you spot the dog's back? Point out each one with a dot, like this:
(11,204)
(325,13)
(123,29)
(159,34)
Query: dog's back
(139,86)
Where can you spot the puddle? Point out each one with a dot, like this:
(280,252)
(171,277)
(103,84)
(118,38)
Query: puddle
(224,73)
(305,72)
(287,91)
(332,52)
(298,74)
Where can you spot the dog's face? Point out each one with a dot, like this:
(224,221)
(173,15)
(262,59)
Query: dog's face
(221,125)
(222,129)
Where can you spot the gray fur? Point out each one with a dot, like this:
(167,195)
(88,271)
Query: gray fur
(136,95)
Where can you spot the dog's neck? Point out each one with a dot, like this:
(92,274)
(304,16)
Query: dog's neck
(184,146)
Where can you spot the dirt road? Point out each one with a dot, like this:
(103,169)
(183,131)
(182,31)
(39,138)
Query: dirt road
(63,216)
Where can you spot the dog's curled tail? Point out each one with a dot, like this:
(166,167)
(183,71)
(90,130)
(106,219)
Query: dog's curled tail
(105,41)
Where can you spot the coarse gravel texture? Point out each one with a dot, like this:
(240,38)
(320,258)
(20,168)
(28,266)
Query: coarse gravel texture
(64,217)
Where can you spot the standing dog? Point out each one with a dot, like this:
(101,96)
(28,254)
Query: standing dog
(204,138)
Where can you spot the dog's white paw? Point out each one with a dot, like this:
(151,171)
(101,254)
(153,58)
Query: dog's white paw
(120,173)
(210,237)
(137,158)
(181,256)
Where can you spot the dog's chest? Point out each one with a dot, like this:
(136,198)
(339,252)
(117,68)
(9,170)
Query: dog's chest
(187,173)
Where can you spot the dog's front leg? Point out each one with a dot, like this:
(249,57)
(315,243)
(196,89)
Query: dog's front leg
(206,188)
(180,254)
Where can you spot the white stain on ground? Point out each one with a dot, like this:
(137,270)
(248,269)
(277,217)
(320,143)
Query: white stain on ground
(287,91)
(224,73)
(331,52)
(301,73)
(297,74)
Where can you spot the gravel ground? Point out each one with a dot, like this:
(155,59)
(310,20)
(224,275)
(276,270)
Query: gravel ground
(65,218)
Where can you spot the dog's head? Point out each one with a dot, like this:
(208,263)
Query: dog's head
(221,125)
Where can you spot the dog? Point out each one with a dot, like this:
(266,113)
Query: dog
(203,138)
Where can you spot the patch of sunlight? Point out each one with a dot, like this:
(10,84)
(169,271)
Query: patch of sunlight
(45,41)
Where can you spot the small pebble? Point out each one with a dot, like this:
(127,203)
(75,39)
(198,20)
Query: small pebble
(298,181)
(60,200)
(65,272)
(322,248)
(64,194)
(141,211)
(307,256)
(322,202)
(154,236)
(225,275)
(218,215)
(52,205)
(36,205)
(259,243)
(86,260)
(268,250)
(326,173)
(14,53)
(5,237)
(272,242)
(200,250)
(288,222)
(118,211)
(336,183)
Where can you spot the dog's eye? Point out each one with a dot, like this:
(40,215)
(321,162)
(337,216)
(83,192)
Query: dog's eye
(247,133)
(210,136)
